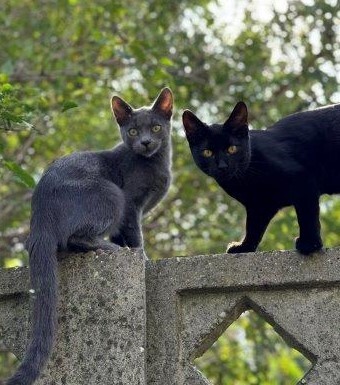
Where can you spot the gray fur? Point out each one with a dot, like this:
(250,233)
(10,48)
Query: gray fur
(87,195)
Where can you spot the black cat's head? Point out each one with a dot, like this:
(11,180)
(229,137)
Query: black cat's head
(147,129)
(220,150)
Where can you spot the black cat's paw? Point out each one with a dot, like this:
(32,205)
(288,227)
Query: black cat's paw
(239,247)
(118,240)
(308,246)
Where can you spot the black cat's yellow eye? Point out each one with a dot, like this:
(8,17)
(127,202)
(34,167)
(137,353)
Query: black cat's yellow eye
(156,128)
(232,150)
(133,132)
(207,153)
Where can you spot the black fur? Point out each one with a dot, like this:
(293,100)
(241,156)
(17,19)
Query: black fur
(291,163)
(87,195)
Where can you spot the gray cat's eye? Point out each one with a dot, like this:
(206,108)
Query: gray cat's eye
(133,132)
(156,128)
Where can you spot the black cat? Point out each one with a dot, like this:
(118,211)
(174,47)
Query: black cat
(87,195)
(291,163)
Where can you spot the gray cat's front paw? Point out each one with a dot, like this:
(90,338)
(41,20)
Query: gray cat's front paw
(239,247)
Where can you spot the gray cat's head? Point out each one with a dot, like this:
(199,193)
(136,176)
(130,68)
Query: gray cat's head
(147,129)
(220,150)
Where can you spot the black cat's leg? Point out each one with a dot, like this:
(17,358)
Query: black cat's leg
(307,211)
(131,231)
(78,244)
(118,240)
(257,222)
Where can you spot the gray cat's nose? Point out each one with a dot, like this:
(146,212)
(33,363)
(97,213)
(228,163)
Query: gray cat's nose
(146,142)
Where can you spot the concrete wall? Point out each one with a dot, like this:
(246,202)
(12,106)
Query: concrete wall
(127,321)
(102,325)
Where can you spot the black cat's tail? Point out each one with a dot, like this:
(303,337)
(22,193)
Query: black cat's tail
(42,248)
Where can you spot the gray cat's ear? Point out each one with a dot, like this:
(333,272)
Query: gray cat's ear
(192,125)
(238,120)
(122,110)
(164,103)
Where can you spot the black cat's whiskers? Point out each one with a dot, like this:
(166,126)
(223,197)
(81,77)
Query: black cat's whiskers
(239,177)
(238,174)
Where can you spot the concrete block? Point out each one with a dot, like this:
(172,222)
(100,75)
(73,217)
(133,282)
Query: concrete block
(101,334)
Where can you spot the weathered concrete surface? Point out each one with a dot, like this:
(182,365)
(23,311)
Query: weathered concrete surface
(101,336)
(14,309)
(191,301)
(103,316)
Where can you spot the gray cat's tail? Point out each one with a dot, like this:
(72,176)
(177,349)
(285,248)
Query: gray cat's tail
(42,248)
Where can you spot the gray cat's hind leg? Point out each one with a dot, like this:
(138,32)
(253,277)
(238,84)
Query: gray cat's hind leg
(79,244)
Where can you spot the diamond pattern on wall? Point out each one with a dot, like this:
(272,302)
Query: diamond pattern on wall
(250,346)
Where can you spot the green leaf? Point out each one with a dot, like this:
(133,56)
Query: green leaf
(11,117)
(22,175)
(68,104)
(166,61)
(7,88)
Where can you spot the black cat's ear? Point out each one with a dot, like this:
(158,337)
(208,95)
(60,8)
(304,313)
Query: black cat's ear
(192,125)
(238,120)
(122,110)
(164,103)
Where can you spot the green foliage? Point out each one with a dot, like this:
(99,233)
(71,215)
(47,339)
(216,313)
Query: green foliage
(68,104)
(59,55)
(12,111)
(20,173)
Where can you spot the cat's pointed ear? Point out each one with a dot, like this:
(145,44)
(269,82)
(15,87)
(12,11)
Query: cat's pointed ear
(238,120)
(164,103)
(121,110)
(239,116)
(192,125)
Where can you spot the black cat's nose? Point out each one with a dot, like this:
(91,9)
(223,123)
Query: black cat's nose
(222,164)
(146,142)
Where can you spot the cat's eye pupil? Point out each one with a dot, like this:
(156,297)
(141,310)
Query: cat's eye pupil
(133,132)
(232,149)
(207,153)
(156,128)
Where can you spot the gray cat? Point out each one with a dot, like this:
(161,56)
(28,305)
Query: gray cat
(87,195)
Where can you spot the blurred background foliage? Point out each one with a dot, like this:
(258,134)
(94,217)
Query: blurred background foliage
(61,60)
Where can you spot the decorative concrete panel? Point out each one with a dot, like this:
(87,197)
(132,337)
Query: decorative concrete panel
(124,321)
